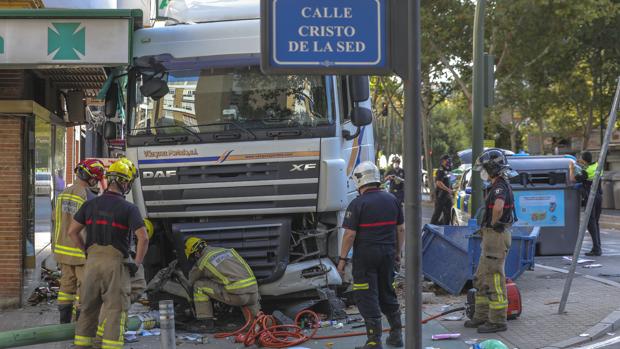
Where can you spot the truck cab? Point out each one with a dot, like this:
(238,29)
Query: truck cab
(259,163)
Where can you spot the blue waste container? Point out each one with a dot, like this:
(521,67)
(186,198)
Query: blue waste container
(450,254)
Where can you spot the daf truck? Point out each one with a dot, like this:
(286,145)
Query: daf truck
(259,163)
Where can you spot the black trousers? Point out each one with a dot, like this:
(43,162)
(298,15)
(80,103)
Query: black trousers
(442,215)
(373,280)
(593,225)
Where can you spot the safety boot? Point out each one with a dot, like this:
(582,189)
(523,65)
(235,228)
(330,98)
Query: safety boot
(373,332)
(395,338)
(490,327)
(201,326)
(473,323)
(66,312)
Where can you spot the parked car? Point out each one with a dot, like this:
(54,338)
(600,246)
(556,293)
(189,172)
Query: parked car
(42,183)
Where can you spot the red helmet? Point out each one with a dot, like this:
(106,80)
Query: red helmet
(90,169)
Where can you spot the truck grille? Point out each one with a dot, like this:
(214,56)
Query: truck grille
(231,189)
(264,243)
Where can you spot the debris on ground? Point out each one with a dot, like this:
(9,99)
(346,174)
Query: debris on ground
(454,318)
(551,302)
(592,266)
(444,336)
(48,288)
(490,344)
(193,338)
(579,261)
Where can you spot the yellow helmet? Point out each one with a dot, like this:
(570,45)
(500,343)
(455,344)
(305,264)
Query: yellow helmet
(132,167)
(150,230)
(120,170)
(192,245)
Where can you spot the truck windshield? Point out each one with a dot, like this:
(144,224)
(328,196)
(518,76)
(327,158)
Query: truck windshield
(211,100)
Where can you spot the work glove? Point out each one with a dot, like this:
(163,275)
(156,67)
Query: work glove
(498,227)
(133,268)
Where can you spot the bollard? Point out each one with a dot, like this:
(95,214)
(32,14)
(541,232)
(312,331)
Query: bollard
(166,324)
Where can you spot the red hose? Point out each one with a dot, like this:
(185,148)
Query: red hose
(262,330)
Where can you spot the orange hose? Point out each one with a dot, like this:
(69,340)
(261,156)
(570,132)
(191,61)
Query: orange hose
(262,330)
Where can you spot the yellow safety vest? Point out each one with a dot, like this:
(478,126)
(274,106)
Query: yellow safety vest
(67,204)
(228,268)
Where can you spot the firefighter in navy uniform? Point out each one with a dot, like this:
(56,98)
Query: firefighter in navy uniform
(105,294)
(374,228)
(396,176)
(442,214)
(490,277)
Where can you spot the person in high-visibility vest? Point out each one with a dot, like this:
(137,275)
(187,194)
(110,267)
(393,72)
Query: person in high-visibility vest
(586,177)
(69,257)
(220,274)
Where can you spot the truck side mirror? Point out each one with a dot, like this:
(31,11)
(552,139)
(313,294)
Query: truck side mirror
(109,130)
(359,87)
(361,116)
(111,101)
(155,88)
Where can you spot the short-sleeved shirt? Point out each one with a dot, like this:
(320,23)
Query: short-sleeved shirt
(110,220)
(500,189)
(374,215)
(443,176)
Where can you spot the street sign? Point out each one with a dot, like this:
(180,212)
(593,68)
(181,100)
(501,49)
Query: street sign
(65,41)
(325,36)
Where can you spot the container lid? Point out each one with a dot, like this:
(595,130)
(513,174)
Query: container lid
(539,163)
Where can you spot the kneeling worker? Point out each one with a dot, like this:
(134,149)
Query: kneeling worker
(221,274)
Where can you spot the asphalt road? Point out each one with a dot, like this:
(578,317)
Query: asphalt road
(610,259)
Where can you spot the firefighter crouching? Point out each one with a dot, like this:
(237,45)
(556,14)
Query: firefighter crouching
(109,220)
(220,274)
(68,255)
(374,227)
(490,277)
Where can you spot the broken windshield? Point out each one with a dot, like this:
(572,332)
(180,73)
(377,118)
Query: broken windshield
(212,99)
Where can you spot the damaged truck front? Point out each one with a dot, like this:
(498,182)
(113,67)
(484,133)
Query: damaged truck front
(254,162)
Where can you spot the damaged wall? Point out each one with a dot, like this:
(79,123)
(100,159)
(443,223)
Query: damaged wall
(11,243)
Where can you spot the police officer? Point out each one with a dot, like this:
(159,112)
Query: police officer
(490,278)
(586,177)
(442,214)
(374,227)
(396,176)
(220,274)
(70,258)
(109,222)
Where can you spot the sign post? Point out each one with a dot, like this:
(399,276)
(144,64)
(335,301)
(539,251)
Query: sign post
(325,36)
(365,37)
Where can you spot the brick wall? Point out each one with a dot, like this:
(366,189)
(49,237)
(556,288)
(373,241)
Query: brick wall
(10,210)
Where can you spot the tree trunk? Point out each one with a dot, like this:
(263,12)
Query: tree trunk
(541,136)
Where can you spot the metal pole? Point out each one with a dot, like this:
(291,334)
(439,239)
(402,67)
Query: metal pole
(166,324)
(413,197)
(595,183)
(478,103)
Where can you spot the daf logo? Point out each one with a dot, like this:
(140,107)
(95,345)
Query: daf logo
(158,174)
(302,167)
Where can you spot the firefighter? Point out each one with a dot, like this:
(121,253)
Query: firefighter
(490,277)
(586,177)
(221,274)
(70,258)
(442,214)
(109,220)
(374,228)
(396,176)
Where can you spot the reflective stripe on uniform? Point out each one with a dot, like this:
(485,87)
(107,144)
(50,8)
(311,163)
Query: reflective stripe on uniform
(498,305)
(69,251)
(110,344)
(206,264)
(497,280)
(65,297)
(204,290)
(243,262)
(121,333)
(237,285)
(482,300)
(101,328)
(360,287)
(199,297)
(83,341)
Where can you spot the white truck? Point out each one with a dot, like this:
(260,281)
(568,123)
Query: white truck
(259,163)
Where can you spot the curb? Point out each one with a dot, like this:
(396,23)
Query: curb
(609,324)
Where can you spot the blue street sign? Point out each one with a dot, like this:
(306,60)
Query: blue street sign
(326,36)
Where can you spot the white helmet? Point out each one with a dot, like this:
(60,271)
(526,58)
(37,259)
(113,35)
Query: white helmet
(366,173)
